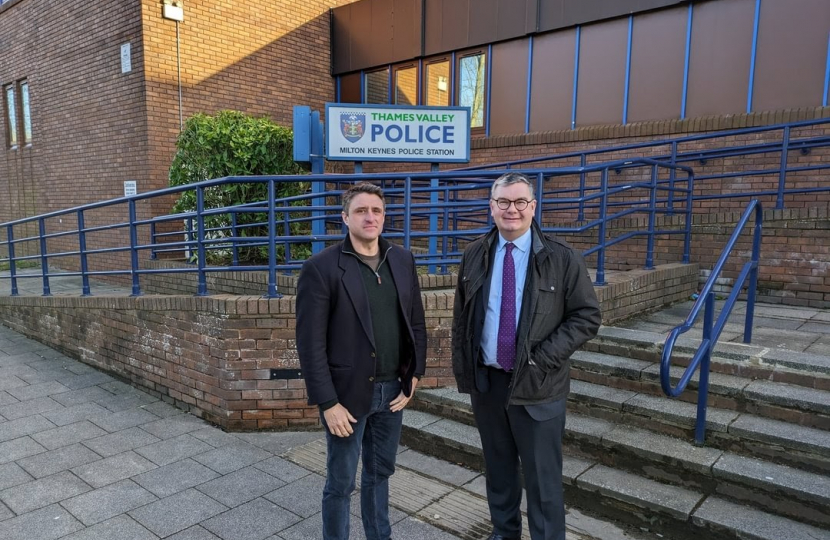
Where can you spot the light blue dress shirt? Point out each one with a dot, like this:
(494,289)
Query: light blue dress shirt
(521,252)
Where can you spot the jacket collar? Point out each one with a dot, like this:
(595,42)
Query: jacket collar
(348,247)
(538,245)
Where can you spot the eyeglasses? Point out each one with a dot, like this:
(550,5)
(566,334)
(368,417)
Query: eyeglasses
(504,204)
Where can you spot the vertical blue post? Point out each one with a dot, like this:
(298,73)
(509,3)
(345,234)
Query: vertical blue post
(134,249)
(687,233)
(782,173)
(576,77)
(540,197)
(362,86)
(393,94)
(627,69)
(445,227)
(12,269)
(826,75)
(703,384)
(433,217)
(686,63)
(318,187)
(153,255)
(672,178)
(44,259)
(603,205)
(272,240)
(82,252)
(337,89)
(489,69)
(234,244)
(529,82)
(752,59)
(453,74)
(753,274)
(652,211)
(407,212)
(200,241)
(419,91)
(581,214)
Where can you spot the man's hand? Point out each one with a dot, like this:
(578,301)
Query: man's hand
(401,401)
(339,420)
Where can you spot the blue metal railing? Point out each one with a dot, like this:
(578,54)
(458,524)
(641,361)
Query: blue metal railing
(711,328)
(462,215)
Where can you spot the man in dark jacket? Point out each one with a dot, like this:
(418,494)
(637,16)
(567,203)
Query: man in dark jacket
(361,338)
(524,303)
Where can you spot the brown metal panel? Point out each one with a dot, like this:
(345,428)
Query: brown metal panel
(406,42)
(790,62)
(656,81)
(601,73)
(720,57)
(483,17)
(515,18)
(454,27)
(350,88)
(360,35)
(555,14)
(340,39)
(508,88)
(551,89)
(433,26)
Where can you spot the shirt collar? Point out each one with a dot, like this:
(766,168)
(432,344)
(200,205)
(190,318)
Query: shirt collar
(521,243)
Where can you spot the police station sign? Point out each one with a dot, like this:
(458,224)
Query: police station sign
(356,132)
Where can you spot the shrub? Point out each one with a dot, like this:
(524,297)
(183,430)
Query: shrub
(232,143)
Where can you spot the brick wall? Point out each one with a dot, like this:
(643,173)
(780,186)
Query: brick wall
(214,355)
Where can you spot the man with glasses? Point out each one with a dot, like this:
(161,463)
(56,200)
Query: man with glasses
(524,303)
(361,339)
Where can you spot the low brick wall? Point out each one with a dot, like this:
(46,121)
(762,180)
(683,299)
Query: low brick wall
(214,355)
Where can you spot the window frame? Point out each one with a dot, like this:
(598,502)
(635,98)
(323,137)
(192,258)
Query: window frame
(25,112)
(459,58)
(425,78)
(11,125)
(402,67)
(385,69)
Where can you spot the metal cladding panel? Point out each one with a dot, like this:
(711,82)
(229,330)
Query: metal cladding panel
(555,14)
(790,66)
(483,27)
(553,81)
(720,57)
(460,24)
(509,90)
(658,49)
(602,73)
(350,88)
(375,32)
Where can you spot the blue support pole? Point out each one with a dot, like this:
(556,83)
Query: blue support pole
(153,255)
(337,89)
(419,91)
(12,269)
(672,178)
(200,241)
(44,258)
(753,274)
(753,57)
(234,244)
(576,77)
(652,212)
(407,212)
(134,249)
(627,69)
(687,236)
(686,64)
(318,187)
(82,250)
(489,69)
(782,173)
(453,74)
(529,82)
(540,196)
(272,240)
(445,227)
(583,159)
(826,76)
(603,206)
(433,217)
(703,384)
(362,86)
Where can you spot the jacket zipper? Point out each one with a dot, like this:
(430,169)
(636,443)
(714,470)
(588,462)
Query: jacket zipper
(376,272)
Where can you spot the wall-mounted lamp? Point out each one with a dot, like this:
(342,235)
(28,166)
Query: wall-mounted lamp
(442,83)
(173,11)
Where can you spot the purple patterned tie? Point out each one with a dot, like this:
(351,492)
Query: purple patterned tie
(506,350)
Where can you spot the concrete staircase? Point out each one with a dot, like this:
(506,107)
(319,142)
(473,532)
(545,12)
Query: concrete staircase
(764,472)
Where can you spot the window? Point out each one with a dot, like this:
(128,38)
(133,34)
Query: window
(437,83)
(27,115)
(11,116)
(406,85)
(377,86)
(472,70)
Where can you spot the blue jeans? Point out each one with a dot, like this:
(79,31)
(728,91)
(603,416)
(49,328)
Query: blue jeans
(378,432)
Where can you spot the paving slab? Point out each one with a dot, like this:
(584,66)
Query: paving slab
(768,476)
(194,533)
(19,448)
(44,524)
(108,502)
(240,487)
(60,459)
(31,407)
(69,434)
(43,492)
(174,478)
(12,474)
(113,469)
(121,527)
(178,512)
(302,497)
(435,468)
(251,521)
(745,522)
(227,459)
(75,413)
(172,450)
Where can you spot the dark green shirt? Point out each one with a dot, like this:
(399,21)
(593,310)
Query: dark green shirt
(387,320)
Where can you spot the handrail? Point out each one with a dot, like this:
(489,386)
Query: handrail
(712,329)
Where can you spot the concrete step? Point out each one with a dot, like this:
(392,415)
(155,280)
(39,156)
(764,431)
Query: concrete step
(755,362)
(640,496)
(778,400)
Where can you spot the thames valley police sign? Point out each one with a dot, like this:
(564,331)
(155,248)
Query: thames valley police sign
(357,132)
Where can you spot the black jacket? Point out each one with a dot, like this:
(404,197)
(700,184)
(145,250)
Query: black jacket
(559,313)
(334,333)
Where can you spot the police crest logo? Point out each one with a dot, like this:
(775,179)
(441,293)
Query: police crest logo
(352,126)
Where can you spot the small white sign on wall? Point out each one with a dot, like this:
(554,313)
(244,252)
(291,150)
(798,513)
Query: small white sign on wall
(126,60)
(130,188)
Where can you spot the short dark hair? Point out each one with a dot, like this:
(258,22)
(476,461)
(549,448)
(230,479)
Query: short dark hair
(513,178)
(361,187)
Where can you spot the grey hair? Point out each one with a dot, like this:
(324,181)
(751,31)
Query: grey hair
(362,187)
(513,178)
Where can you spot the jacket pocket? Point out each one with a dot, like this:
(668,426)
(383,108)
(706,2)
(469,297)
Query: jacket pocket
(534,384)
(546,297)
